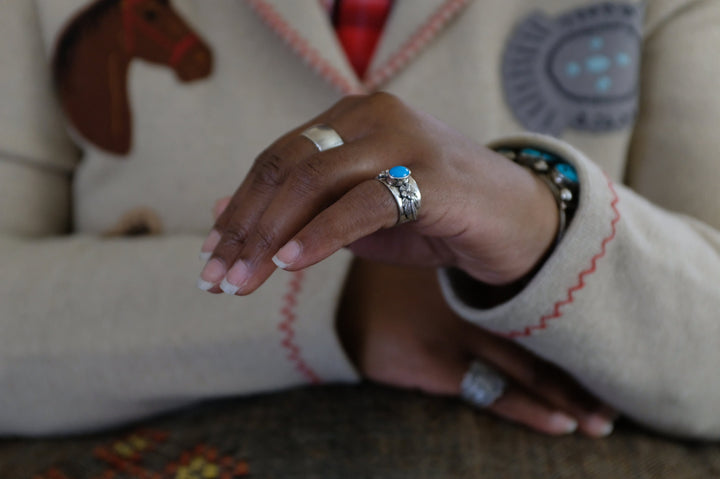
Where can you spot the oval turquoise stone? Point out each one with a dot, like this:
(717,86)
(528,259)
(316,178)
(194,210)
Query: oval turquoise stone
(399,172)
(544,155)
(567,171)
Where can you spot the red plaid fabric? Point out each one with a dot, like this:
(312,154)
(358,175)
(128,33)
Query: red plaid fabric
(359,24)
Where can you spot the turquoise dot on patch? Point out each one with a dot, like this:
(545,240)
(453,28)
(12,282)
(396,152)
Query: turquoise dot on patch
(573,69)
(623,59)
(596,43)
(598,63)
(603,84)
(568,171)
(399,172)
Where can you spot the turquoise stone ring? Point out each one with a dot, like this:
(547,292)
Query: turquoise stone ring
(405,191)
(399,172)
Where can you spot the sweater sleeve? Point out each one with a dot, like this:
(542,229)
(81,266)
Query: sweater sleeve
(97,331)
(629,301)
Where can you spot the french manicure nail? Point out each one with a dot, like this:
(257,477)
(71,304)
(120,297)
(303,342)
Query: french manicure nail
(599,426)
(236,278)
(204,285)
(287,255)
(211,274)
(205,256)
(563,423)
(228,288)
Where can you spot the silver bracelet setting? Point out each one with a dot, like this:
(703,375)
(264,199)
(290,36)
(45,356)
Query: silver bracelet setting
(559,175)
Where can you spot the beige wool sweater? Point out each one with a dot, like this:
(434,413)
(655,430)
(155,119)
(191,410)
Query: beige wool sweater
(122,121)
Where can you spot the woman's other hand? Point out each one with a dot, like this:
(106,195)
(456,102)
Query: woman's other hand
(397,329)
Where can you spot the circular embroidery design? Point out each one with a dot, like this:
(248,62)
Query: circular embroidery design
(579,70)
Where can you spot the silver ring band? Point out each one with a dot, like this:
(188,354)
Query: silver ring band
(482,385)
(323,137)
(405,191)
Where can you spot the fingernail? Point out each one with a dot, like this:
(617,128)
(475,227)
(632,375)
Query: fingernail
(235,279)
(563,423)
(204,285)
(205,255)
(598,426)
(210,243)
(228,288)
(287,255)
(211,274)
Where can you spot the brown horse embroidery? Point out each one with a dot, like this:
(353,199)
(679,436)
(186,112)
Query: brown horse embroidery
(93,55)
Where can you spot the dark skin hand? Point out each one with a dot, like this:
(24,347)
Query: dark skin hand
(415,341)
(480,213)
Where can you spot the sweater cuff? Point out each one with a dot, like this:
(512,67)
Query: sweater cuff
(309,339)
(551,291)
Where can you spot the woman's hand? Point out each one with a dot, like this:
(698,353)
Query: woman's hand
(397,329)
(480,212)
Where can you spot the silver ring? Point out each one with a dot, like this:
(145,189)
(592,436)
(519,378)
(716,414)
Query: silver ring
(323,137)
(405,191)
(482,385)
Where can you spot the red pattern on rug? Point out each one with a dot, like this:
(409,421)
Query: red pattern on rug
(150,454)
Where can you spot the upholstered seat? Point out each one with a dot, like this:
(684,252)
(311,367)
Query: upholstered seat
(350,432)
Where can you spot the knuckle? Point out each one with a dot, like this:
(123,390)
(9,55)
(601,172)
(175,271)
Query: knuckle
(350,99)
(342,105)
(309,175)
(233,238)
(381,110)
(384,99)
(264,236)
(268,170)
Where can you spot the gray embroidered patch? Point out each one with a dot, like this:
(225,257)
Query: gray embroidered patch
(579,70)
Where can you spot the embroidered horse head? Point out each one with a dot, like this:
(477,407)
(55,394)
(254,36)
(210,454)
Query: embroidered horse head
(93,55)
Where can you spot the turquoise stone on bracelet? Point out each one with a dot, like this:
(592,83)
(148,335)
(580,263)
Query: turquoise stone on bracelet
(399,172)
(550,158)
(567,171)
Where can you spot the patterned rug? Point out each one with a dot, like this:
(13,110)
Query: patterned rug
(349,432)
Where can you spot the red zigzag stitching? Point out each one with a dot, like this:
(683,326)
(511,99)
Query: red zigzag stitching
(287,327)
(556,313)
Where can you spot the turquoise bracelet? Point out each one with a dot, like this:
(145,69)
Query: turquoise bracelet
(560,176)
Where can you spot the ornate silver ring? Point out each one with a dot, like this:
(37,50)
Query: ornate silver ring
(482,385)
(405,191)
(323,137)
